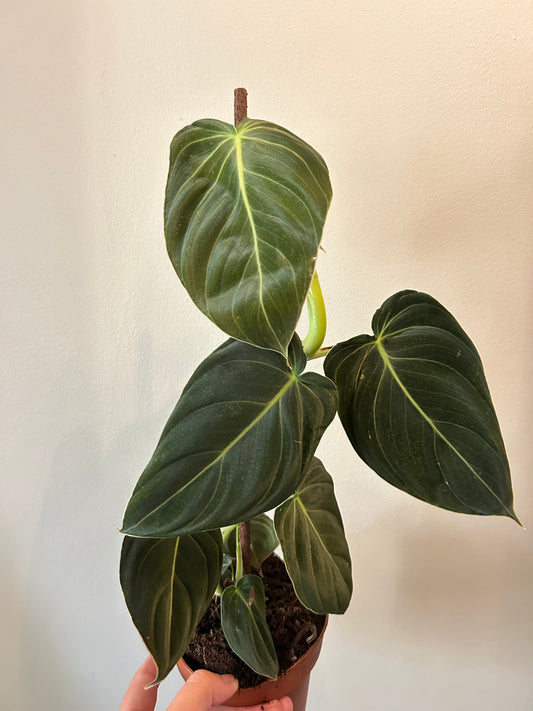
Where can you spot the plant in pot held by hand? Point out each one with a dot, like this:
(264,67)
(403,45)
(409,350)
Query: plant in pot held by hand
(244,214)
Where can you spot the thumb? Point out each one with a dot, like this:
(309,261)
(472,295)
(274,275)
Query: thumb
(137,697)
(204,689)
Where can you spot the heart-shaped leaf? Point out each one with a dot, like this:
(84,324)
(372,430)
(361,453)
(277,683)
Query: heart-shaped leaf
(243,617)
(244,213)
(311,534)
(168,584)
(415,404)
(263,539)
(235,446)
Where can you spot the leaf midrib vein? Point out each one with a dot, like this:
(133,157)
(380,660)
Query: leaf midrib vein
(294,153)
(388,365)
(298,499)
(291,380)
(171,597)
(248,208)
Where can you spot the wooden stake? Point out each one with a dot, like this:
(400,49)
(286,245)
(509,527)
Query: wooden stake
(240,105)
(240,111)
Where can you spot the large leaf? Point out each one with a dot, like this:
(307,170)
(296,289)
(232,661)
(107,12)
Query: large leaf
(243,617)
(168,584)
(416,407)
(236,443)
(244,213)
(316,554)
(263,539)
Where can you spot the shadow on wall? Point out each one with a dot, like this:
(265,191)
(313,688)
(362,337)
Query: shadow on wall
(449,587)
(72,637)
(47,681)
(33,670)
(428,580)
(79,648)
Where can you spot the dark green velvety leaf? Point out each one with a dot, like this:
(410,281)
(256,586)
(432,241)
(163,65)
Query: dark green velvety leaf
(415,404)
(311,534)
(243,617)
(235,446)
(263,539)
(168,584)
(244,213)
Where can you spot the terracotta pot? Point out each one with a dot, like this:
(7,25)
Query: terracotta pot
(294,683)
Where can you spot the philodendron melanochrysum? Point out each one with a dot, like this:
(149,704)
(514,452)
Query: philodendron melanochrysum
(244,215)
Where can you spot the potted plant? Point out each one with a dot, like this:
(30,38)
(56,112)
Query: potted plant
(244,213)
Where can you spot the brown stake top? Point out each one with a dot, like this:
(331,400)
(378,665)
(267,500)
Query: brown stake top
(240,105)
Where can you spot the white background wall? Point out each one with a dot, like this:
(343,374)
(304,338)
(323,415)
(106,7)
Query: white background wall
(423,111)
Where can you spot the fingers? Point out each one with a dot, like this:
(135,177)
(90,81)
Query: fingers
(284,704)
(137,698)
(203,690)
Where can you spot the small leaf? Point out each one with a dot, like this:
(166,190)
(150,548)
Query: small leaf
(263,539)
(415,404)
(316,554)
(168,584)
(227,568)
(245,627)
(234,447)
(244,213)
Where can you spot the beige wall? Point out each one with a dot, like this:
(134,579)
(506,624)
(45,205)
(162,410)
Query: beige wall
(423,110)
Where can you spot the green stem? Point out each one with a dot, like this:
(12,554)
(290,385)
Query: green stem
(321,352)
(244,541)
(317,320)
(238,558)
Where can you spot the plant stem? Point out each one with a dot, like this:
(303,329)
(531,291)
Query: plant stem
(321,352)
(244,566)
(317,320)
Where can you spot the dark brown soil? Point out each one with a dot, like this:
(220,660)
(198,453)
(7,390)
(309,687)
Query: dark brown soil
(292,625)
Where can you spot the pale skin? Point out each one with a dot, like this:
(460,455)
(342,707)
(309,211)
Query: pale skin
(203,691)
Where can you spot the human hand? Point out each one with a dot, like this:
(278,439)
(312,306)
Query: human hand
(203,691)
